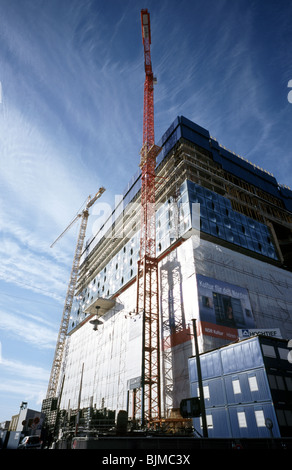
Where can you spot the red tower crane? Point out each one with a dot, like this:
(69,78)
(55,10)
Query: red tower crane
(147,274)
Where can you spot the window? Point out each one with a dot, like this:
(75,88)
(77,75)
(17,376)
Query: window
(277,382)
(272,381)
(253,384)
(209,419)
(268,351)
(288,381)
(288,416)
(280,382)
(206,392)
(241,419)
(236,386)
(281,417)
(284,417)
(260,418)
(283,353)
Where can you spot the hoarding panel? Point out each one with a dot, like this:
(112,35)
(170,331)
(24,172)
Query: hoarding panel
(224,308)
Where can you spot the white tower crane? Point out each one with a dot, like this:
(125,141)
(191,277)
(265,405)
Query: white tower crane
(59,352)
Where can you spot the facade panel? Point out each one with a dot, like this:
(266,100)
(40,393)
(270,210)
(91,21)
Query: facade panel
(249,421)
(246,387)
(268,287)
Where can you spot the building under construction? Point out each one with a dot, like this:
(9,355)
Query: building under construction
(223,233)
(222,255)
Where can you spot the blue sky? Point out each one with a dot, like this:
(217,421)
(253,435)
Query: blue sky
(71,75)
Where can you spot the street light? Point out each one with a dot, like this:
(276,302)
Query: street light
(95,322)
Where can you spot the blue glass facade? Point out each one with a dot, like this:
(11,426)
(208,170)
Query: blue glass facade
(220,220)
(183,128)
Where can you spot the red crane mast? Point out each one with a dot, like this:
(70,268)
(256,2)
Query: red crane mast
(147,275)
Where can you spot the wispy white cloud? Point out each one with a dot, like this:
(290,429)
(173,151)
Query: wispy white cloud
(22,369)
(25,330)
(31,269)
(23,382)
(22,390)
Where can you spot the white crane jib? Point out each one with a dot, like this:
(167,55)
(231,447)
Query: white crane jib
(57,362)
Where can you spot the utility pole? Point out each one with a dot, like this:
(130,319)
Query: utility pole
(200,382)
(79,401)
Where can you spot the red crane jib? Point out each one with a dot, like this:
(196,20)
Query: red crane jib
(148,116)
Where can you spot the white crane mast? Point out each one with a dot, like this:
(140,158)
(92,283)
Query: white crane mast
(59,352)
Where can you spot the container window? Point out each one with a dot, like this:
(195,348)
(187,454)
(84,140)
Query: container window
(260,418)
(241,419)
(253,384)
(206,392)
(236,386)
(209,421)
